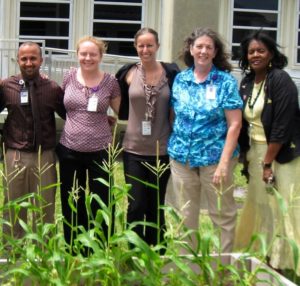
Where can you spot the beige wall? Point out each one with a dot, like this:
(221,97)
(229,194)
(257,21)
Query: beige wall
(9,25)
(173,19)
(190,14)
(81,27)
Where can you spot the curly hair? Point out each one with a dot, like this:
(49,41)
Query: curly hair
(279,60)
(221,60)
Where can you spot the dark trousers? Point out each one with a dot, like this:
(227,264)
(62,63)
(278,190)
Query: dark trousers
(144,201)
(81,164)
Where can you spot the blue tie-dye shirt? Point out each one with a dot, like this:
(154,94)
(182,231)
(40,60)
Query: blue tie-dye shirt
(200,126)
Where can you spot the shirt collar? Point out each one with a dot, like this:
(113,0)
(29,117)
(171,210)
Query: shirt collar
(35,80)
(212,76)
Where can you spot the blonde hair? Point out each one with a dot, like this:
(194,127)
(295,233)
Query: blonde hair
(102,46)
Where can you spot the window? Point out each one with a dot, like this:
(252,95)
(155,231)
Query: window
(116,22)
(49,21)
(253,15)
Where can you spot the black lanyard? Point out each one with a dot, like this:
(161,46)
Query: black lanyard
(251,105)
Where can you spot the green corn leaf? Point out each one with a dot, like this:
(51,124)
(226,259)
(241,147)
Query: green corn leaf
(153,186)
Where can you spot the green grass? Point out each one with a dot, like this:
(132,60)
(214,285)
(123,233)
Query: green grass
(239,180)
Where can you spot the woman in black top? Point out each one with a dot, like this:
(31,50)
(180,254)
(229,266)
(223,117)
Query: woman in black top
(270,148)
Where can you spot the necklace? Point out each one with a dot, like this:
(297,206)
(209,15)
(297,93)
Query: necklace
(152,78)
(251,105)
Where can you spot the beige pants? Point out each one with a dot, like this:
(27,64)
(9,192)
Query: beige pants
(188,183)
(257,213)
(287,225)
(262,213)
(25,182)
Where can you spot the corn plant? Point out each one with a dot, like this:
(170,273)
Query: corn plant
(42,256)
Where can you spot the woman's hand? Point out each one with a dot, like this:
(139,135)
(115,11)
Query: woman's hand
(111,120)
(267,174)
(44,75)
(221,174)
(272,151)
(234,123)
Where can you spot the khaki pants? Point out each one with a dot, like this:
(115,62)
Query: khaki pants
(262,213)
(188,183)
(27,182)
(257,213)
(287,225)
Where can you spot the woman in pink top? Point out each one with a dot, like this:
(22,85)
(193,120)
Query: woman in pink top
(87,133)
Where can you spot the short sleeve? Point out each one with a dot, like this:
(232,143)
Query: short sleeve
(232,99)
(115,88)
(67,78)
(175,88)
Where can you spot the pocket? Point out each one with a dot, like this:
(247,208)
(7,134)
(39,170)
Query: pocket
(176,167)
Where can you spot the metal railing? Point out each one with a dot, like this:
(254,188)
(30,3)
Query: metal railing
(56,61)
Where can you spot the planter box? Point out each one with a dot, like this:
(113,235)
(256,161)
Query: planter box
(254,263)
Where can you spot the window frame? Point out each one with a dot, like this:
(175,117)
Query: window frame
(68,38)
(123,3)
(234,27)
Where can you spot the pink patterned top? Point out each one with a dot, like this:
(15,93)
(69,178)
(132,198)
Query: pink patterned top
(87,131)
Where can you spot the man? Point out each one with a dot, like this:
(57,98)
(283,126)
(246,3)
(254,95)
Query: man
(29,136)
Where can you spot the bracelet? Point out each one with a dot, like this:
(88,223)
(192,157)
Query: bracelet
(266,165)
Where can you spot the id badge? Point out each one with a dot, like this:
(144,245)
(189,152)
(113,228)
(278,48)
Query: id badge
(211,91)
(24,96)
(92,103)
(146,127)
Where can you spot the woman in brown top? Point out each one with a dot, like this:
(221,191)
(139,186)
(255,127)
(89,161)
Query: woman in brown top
(145,88)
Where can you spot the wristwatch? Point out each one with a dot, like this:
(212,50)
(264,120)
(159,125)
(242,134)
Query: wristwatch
(266,165)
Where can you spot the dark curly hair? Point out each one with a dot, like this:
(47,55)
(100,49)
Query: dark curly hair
(221,60)
(278,60)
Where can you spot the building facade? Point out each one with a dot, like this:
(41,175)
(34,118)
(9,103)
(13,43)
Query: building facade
(61,23)
(58,24)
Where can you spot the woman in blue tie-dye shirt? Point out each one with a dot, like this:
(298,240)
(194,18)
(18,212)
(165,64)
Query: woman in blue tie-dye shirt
(203,143)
